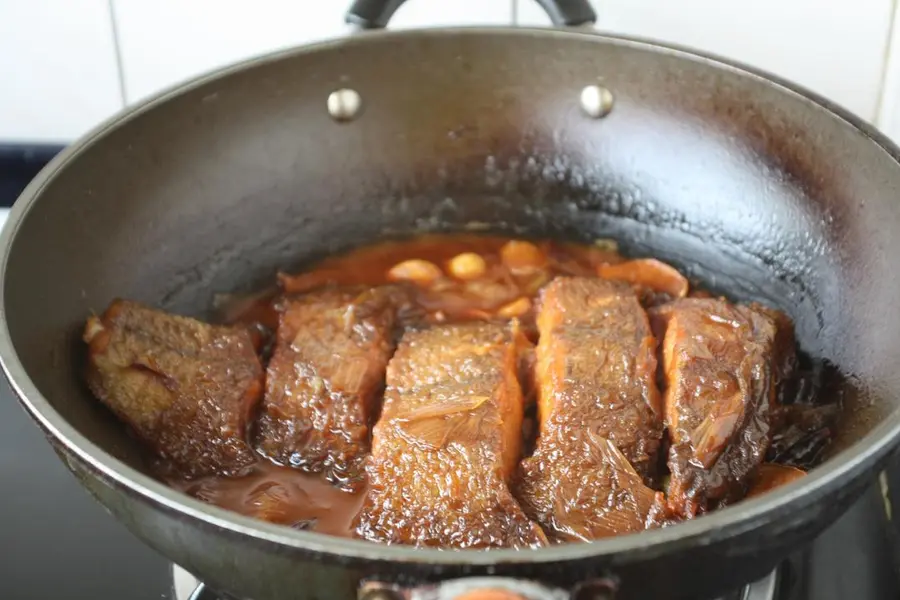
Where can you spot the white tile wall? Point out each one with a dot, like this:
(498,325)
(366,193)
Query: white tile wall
(888,118)
(67,64)
(165,41)
(435,13)
(58,73)
(834,47)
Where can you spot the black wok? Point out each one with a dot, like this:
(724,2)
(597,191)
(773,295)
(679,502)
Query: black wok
(754,186)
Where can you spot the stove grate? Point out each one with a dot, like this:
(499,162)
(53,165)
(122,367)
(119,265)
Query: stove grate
(187,587)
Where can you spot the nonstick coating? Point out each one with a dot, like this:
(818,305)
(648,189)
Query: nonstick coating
(757,189)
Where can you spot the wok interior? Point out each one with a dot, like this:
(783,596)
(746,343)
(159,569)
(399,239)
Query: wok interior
(756,192)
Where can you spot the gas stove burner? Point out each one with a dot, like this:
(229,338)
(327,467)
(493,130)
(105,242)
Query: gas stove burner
(187,587)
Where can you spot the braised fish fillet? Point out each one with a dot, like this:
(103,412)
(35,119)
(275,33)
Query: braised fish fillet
(722,363)
(447,442)
(186,388)
(325,377)
(599,411)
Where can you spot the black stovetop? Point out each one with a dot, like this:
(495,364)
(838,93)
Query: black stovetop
(59,543)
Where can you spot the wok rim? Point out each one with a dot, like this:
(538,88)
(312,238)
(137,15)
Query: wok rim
(725,523)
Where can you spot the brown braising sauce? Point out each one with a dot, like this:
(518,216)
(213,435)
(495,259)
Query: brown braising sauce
(457,278)
(280,495)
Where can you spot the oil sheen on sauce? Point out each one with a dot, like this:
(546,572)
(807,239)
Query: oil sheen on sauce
(280,495)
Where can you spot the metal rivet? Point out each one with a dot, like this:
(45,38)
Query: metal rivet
(596,101)
(344,104)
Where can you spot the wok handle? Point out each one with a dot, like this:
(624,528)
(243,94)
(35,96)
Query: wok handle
(375,14)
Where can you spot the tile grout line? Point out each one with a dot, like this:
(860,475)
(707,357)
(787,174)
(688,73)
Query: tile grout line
(120,67)
(886,69)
